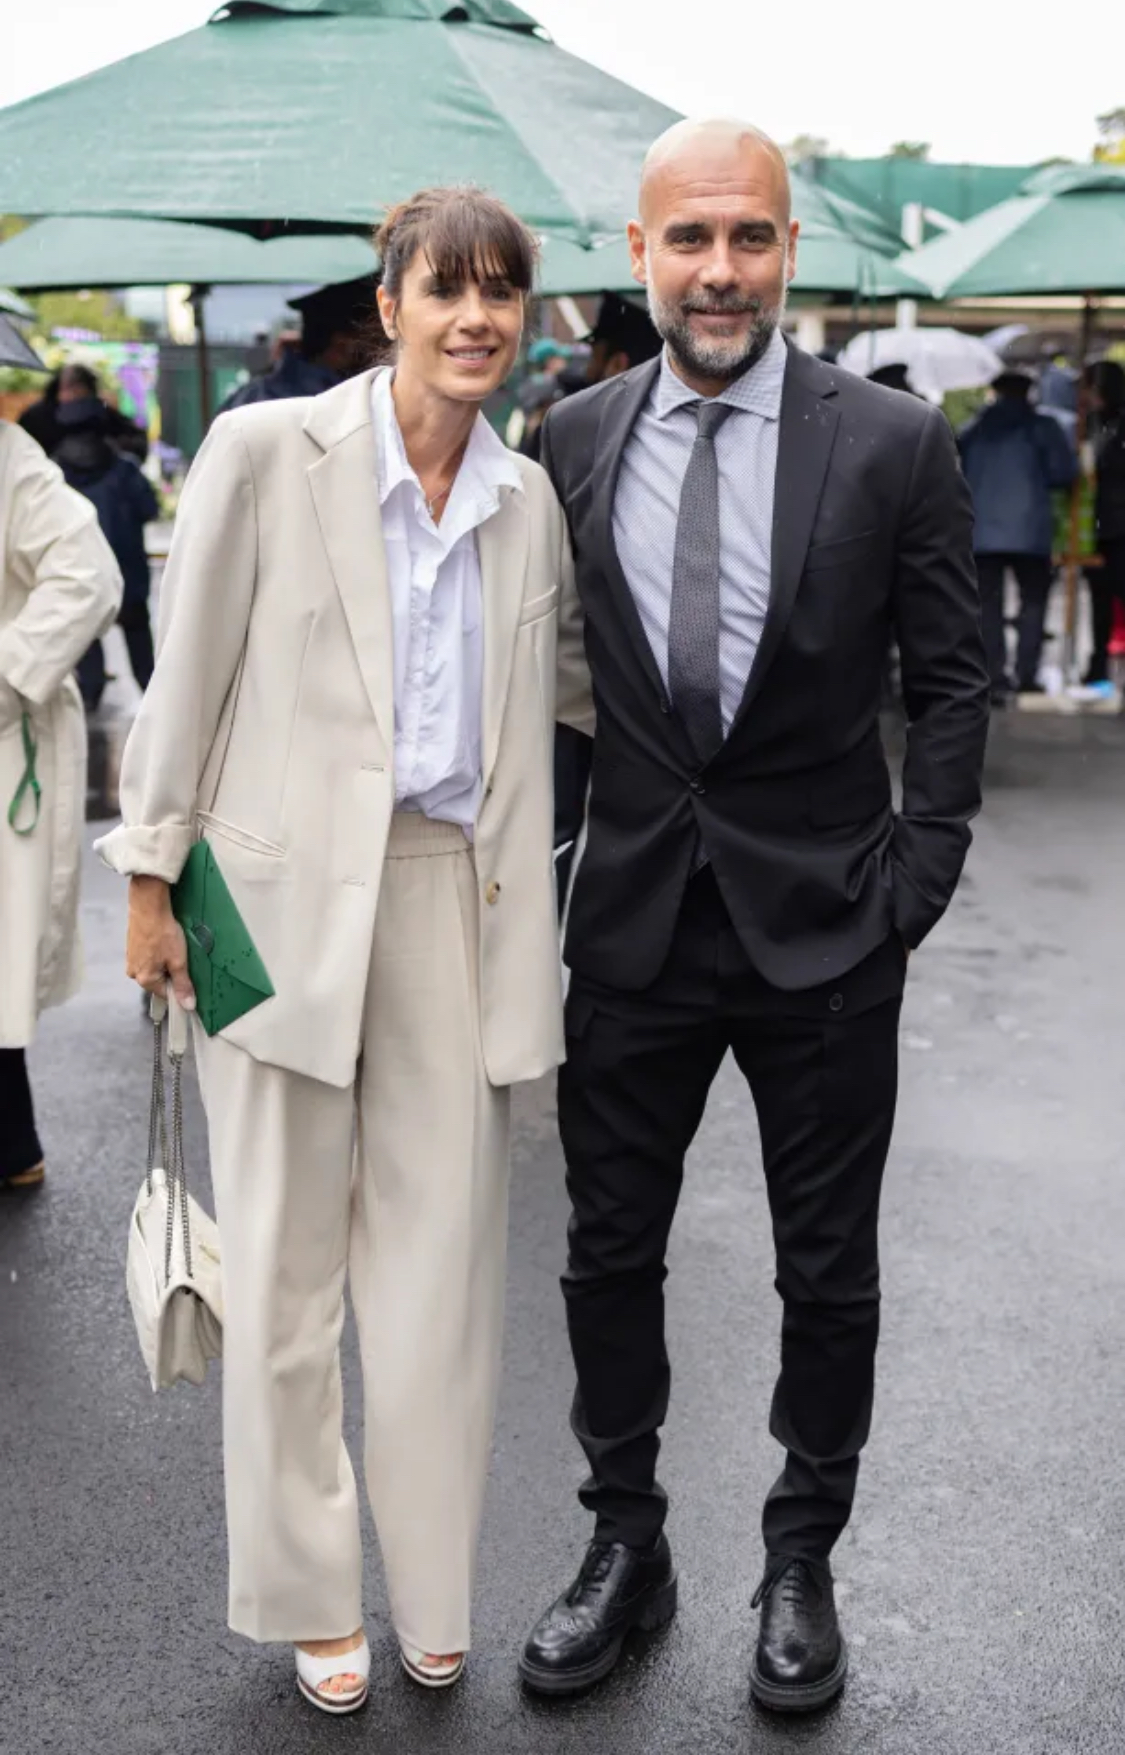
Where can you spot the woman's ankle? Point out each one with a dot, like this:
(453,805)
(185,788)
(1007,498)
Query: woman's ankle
(332,1647)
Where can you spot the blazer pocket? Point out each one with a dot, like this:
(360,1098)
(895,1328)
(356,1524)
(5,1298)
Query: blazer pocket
(841,551)
(535,608)
(241,837)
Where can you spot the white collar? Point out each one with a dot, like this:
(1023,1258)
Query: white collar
(486,467)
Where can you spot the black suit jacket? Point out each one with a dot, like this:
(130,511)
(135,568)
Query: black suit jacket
(872,536)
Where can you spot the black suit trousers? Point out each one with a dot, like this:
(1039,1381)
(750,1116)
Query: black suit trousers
(822,1066)
(19,1142)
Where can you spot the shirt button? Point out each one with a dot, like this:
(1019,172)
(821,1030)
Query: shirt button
(492,894)
(697,785)
(836,1003)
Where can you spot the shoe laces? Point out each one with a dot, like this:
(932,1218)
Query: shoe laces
(596,1566)
(789,1572)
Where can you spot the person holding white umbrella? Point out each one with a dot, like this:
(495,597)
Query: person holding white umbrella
(936,360)
(59,590)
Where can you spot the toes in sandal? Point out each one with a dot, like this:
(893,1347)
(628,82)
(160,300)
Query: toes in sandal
(432,1672)
(314,1672)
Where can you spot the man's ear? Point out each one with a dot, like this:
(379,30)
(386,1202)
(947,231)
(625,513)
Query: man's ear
(791,253)
(637,252)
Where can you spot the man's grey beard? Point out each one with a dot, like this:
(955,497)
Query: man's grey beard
(716,358)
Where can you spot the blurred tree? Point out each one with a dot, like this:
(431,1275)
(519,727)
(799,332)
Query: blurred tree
(804,147)
(1111,147)
(959,406)
(916,149)
(98,313)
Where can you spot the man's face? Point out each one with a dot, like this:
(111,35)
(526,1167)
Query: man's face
(716,250)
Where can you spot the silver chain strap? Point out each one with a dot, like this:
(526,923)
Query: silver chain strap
(175,1170)
(157,1124)
(179,1175)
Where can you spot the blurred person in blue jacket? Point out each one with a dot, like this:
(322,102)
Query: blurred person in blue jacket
(1014,458)
(124,500)
(338,324)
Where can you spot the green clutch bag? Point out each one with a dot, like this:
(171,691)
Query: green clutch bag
(226,971)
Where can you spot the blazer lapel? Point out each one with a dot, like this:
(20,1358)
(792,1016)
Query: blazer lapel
(804,448)
(623,405)
(502,545)
(345,490)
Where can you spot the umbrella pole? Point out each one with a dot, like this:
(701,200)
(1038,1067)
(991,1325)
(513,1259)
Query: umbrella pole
(198,302)
(1072,561)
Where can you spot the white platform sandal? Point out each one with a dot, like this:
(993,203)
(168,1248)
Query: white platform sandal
(432,1675)
(314,1672)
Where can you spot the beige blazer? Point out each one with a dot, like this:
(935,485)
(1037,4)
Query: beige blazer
(59,589)
(268,728)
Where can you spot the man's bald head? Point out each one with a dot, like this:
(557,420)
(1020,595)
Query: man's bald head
(716,149)
(715,246)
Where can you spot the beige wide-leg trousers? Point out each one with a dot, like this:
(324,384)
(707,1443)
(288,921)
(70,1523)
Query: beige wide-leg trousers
(416,1221)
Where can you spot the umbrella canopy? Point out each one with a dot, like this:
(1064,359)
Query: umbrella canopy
(14,306)
(14,350)
(56,254)
(1063,233)
(315,114)
(936,360)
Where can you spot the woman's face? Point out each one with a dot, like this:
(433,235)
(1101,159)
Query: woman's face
(460,340)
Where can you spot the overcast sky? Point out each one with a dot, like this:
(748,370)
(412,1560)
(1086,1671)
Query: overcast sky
(979,79)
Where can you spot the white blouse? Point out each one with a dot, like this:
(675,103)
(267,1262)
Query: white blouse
(433,572)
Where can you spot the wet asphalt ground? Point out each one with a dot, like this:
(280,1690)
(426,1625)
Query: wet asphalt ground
(981,1581)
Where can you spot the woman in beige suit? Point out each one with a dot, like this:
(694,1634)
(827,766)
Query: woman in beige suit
(353,703)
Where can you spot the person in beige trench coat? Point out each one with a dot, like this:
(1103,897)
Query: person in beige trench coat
(59,590)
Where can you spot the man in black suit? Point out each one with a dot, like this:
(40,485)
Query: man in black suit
(749,528)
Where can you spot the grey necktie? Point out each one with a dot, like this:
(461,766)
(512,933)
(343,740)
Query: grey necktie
(693,624)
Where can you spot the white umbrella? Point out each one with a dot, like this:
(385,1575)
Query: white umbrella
(936,360)
(1001,339)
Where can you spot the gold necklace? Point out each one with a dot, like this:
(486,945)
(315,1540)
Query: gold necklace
(438,498)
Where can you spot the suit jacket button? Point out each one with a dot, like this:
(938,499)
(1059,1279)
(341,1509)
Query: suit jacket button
(492,894)
(836,1003)
(697,785)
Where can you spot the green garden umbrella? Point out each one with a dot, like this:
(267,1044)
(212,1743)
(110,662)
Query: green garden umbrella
(13,305)
(56,254)
(315,114)
(1064,233)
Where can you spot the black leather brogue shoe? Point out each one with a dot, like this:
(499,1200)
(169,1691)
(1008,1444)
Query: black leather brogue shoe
(801,1660)
(579,1639)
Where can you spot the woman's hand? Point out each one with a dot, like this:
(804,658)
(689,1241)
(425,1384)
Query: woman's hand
(155,948)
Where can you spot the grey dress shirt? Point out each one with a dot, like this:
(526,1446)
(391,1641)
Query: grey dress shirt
(647,502)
